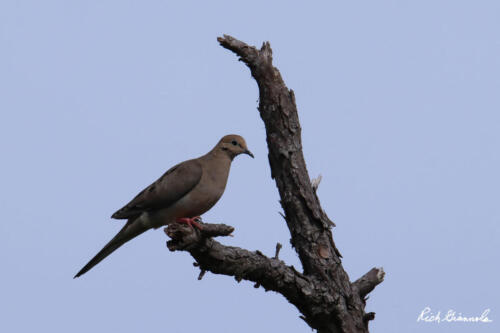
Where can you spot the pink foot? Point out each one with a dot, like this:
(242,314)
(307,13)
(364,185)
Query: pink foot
(190,221)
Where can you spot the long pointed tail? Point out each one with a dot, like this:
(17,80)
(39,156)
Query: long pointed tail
(132,229)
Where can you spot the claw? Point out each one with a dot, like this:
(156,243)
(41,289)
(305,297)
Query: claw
(190,221)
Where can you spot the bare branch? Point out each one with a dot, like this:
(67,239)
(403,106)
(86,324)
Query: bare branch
(214,257)
(365,284)
(315,182)
(308,223)
(278,248)
(202,273)
(369,316)
(306,220)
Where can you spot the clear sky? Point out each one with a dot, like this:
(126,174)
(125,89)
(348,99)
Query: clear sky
(400,108)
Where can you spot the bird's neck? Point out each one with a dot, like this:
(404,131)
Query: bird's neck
(219,163)
(218,154)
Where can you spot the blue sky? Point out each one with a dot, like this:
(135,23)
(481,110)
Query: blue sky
(400,109)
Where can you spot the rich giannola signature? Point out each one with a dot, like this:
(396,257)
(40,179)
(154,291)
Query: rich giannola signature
(429,316)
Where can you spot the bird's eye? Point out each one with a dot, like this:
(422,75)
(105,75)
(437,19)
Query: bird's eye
(234,143)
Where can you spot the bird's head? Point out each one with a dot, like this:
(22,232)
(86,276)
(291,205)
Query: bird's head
(233,145)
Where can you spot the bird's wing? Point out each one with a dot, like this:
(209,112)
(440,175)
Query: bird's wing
(173,185)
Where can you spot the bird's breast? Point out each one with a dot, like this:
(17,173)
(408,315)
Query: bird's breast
(209,190)
(200,199)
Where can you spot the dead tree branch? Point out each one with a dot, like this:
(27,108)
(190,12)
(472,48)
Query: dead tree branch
(210,255)
(323,293)
(365,284)
(278,248)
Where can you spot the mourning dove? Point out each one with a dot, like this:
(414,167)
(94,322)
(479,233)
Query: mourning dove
(184,192)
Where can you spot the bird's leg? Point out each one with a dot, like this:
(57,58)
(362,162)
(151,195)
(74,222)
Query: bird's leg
(190,221)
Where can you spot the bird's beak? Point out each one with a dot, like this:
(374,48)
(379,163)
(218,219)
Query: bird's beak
(248,152)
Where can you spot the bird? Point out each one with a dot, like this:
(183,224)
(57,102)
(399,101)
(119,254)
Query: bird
(182,194)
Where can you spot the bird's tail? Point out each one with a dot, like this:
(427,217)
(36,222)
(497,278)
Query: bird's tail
(132,229)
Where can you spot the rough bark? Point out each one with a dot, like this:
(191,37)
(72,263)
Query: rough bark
(323,293)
